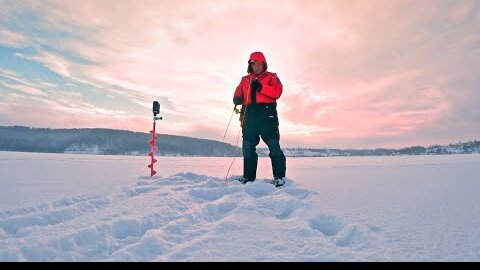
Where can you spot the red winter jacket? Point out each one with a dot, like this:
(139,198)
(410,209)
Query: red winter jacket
(271,86)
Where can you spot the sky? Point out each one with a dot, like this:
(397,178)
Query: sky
(356,73)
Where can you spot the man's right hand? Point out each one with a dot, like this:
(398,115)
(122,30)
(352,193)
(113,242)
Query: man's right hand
(237,100)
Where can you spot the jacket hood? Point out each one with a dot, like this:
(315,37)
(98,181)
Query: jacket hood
(258,56)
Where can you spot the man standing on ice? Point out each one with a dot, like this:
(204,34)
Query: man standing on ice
(258,93)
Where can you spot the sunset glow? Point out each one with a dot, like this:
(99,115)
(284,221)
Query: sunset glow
(356,73)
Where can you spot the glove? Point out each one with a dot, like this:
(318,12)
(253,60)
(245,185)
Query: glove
(237,100)
(256,85)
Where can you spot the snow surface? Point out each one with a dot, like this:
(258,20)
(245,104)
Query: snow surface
(57,207)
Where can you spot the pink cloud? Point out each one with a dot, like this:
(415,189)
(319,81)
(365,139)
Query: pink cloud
(25,89)
(61,114)
(53,62)
(12,39)
(363,109)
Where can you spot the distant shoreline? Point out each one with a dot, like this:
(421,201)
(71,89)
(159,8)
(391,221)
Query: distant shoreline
(260,156)
(100,141)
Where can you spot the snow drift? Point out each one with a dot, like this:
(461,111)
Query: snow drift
(186,217)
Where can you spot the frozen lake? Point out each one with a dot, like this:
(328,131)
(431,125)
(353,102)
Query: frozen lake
(367,208)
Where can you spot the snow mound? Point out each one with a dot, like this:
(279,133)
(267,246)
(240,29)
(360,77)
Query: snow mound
(185,217)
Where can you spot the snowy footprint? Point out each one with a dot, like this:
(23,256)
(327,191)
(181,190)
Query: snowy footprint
(355,236)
